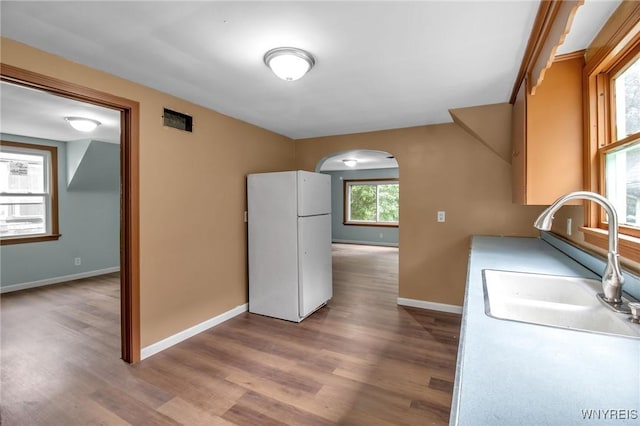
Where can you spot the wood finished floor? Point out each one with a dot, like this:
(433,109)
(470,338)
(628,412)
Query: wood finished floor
(361,360)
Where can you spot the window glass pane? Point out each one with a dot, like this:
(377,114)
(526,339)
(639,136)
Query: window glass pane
(622,170)
(22,215)
(627,88)
(22,173)
(388,201)
(362,203)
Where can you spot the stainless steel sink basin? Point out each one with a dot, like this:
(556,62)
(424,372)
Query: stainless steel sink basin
(552,300)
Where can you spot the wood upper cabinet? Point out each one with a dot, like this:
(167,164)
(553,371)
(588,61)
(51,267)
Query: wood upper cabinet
(547,159)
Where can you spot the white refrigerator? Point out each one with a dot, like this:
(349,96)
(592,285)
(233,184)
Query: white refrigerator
(289,215)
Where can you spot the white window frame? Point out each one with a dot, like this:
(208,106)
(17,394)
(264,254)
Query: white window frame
(348,183)
(50,157)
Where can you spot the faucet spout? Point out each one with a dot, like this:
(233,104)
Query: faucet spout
(612,279)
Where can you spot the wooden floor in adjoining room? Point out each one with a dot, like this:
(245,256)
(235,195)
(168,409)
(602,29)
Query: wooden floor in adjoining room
(361,360)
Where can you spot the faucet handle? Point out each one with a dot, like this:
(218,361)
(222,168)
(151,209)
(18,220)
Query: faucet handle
(635,312)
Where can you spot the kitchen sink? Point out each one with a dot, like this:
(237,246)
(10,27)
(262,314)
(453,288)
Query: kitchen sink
(552,300)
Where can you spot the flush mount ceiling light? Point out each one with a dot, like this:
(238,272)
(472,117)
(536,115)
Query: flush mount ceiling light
(83,124)
(350,162)
(289,63)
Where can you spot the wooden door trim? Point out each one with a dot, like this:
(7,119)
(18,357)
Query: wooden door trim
(129,193)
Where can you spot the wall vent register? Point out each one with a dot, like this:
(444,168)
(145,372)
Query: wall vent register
(177,120)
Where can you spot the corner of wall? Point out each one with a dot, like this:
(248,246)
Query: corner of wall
(489,124)
(75,153)
(93,165)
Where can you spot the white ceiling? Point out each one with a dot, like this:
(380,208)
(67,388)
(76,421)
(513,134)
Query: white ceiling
(380,65)
(33,113)
(589,18)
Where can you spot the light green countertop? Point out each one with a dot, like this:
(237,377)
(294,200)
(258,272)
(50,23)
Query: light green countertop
(511,373)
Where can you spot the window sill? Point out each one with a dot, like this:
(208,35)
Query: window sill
(628,246)
(383,225)
(24,240)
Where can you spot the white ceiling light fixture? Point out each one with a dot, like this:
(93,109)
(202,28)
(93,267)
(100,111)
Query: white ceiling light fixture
(350,162)
(289,63)
(83,124)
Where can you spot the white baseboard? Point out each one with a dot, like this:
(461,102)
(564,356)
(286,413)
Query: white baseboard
(423,304)
(163,344)
(366,243)
(56,280)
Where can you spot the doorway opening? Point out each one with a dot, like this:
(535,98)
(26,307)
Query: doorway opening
(365,197)
(129,190)
(365,209)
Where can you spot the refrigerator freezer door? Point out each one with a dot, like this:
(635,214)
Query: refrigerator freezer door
(314,193)
(314,262)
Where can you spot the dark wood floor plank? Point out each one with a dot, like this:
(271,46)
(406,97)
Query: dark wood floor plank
(442,385)
(360,360)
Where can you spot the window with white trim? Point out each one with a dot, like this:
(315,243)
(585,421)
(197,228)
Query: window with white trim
(373,202)
(28,193)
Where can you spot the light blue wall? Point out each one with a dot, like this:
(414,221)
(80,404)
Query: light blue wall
(97,170)
(89,222)
(75,154)
(375,235)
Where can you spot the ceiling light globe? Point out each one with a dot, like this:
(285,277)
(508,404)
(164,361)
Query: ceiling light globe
(289,67)
(82,124)
(289,63)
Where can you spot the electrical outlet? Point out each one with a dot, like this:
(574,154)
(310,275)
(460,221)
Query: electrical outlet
(77,261)
(569,226)
(441,216)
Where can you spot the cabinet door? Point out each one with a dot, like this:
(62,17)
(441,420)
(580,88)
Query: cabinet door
(554,134)
(547,136)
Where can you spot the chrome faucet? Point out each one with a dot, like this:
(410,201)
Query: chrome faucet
(612,279)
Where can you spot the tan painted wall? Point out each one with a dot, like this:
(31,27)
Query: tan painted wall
(192,273)
(442,167)
(192,197)
(497,138)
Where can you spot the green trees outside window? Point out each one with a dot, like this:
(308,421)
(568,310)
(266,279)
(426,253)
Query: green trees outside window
(372,202)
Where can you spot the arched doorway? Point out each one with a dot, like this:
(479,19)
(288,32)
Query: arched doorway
(365,189)
(365,196)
